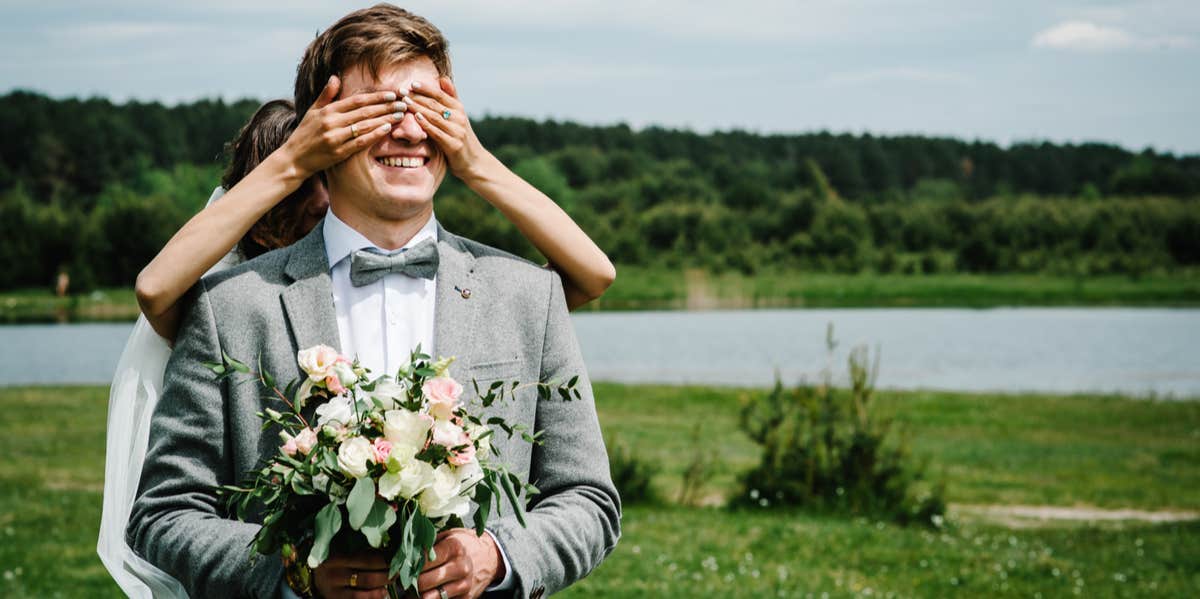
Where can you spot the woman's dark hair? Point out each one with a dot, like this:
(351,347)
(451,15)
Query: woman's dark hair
(266,131)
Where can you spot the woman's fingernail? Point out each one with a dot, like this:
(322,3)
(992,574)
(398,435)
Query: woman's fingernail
(416,84)
(407,100)
(399,116)
(390,96)
(399,106)
(386,126)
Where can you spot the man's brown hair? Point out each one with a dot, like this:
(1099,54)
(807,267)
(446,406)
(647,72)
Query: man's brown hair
(372,38)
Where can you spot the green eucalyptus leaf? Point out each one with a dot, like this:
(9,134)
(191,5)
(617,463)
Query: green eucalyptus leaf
(424,534)
(268,380)
(507,484)
(404,558)
(379,520)
(328,523)
(362,497)
(483,497)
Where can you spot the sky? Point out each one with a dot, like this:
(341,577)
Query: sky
(1119,71)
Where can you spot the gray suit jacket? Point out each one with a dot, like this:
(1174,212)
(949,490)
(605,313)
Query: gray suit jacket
(513,324)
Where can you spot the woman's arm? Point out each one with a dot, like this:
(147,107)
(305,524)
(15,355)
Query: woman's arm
(321,140)
(586,271)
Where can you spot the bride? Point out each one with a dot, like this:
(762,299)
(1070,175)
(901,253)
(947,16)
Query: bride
(271,195)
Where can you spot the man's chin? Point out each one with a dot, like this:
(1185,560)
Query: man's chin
(405,205)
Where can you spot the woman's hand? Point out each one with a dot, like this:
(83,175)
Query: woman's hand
(453,135)
(332,131)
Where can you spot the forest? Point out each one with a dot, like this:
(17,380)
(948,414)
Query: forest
(94,188)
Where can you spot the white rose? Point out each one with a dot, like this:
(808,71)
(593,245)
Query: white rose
(413,477)
(448,434)
(476,432)
(387,393)
(354,455)
(344,371)
(442,498)
(340,409)
(469,474)
(317,361)
(406,429)
(306,440)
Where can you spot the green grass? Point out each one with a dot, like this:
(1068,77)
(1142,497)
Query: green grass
(36,305)
(691,552)
(1101,451)
(655,288)
(660,288)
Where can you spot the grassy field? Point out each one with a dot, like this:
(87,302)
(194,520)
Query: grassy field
(638,288)
(656,289)
(34,305)
(988,449)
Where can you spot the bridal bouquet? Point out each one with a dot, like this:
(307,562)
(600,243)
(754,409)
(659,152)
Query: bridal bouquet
(386,463)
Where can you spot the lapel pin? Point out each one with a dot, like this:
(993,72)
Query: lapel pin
(466,293)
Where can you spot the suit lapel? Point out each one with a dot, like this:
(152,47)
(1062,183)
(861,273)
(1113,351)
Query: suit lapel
(308,301)
(454,310)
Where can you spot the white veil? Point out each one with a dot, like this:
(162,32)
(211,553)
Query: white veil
(135,390)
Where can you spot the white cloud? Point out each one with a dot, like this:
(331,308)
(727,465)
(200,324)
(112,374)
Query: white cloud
(1085,36)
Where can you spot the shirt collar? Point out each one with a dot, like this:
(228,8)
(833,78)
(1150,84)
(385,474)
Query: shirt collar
(341,239)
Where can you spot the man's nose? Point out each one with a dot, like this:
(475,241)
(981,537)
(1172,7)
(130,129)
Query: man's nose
(409,129)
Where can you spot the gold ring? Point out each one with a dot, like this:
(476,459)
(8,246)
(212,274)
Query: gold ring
(442,593)
(353,131)
(354,580)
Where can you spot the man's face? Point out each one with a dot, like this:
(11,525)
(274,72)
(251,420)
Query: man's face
(374,182)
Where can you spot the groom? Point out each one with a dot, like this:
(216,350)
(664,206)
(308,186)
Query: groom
(502,317)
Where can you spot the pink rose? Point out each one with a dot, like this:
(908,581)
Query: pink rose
(289,447)
(334,384)
(382,448)
(449,435)
(306,440)
(443,393)
(317,361)
(463,456)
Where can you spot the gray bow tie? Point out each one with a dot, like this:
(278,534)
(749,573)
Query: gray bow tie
(419,261)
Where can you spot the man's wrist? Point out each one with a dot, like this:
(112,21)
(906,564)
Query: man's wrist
(493,551)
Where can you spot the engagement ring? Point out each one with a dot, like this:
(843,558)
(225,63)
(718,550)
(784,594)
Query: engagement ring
(442,593)
(446,114)
(354,580)
(353,131)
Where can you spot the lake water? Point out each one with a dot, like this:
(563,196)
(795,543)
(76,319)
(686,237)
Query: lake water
(1136,351)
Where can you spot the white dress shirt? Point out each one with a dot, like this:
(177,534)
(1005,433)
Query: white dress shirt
(405,306)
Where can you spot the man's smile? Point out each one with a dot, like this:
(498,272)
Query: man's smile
(400,161)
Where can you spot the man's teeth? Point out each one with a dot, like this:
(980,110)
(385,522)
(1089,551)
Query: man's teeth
(406,161)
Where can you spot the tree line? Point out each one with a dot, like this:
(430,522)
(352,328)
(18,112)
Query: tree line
(95,188)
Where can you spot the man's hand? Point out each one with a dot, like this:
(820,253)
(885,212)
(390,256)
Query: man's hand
(368,573)
(466,565)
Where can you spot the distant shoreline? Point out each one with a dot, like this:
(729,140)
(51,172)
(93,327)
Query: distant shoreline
(639,288)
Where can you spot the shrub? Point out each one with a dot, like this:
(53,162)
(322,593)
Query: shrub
(825,449)
(700,469)
(631,475)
